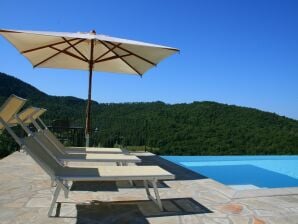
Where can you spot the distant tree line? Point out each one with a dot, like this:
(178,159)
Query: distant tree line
(198,128)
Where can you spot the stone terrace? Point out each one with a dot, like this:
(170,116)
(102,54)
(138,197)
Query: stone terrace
(25,196)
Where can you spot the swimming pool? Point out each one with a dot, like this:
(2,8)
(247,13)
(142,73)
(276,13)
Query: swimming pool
(244,172)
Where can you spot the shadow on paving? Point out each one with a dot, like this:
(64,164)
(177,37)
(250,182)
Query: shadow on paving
(110,185)
(94,186)
(133,211)
(180,172)
(140,184)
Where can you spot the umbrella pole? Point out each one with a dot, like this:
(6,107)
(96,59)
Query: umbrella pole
(88,122)
(88,112)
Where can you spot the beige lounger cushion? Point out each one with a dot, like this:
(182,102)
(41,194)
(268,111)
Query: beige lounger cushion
(106,173)
(111,157)
(111,150)
(94,149)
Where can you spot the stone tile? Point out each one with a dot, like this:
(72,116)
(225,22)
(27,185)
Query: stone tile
(164,220)
(18,203)
(238,219)
(261,212)
(211,197)
(293,219)
(208,220)
(231,208)
(258,221)
(262,193)
(293,190)
(68,210)
(38,202)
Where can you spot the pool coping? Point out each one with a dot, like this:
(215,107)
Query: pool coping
(251,193)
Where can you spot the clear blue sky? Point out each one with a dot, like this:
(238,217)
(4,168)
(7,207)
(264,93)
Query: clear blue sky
(242,52)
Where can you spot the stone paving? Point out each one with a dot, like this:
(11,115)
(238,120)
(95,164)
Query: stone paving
(25,196)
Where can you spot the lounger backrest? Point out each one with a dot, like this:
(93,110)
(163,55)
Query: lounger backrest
(46,162)
(37,114)
(23,115)
(10,107)
(53,138)
(49,145)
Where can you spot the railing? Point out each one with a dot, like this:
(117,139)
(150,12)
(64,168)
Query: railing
(69,136)
(107,133)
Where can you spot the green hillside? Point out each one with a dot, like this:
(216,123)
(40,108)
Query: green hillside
(198,128)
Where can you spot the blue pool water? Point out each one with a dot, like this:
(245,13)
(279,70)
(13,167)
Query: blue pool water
(241,171)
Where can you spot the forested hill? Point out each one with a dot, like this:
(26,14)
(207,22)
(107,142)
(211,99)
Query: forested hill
(207,128)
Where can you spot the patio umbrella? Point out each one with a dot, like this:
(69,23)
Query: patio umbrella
(87,51)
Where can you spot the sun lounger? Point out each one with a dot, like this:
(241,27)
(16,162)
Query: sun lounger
(8,113)
(63,157)
(35,115)
(55,141)
(61,174)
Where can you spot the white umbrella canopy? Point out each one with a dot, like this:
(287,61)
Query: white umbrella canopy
(87,51)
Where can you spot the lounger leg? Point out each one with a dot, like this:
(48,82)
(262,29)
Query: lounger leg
(147,189)
(65,188)
(56,194)
(53,182)
(156,200)
(131,183)
(66,193)
(65,183)
(154,183)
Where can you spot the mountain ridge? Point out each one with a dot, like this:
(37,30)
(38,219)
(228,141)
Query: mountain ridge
(5,77)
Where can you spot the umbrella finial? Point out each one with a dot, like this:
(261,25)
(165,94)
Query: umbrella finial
(93,32)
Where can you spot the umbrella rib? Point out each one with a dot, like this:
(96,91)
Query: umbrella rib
(136,55)
(59,51)
(64,51)
(110,50)
(112,58)
(45,46)
(103,43)
(75,48)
